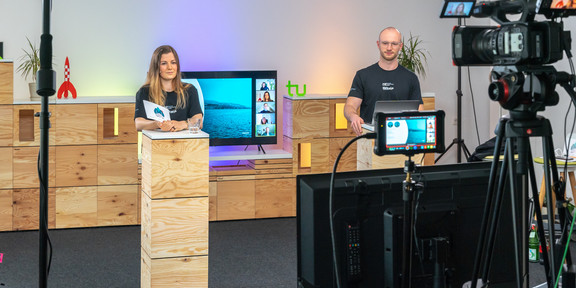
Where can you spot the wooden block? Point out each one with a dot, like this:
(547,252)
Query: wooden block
(213,198)
(7,118)
(429,103)
(275,198)
(6,82)
(27,127)
(176,227)
(26,164)
(76,165)
(117,164)
(127,132)
(337,116)
(174,272)
(348,160)
(236,200)
(319,156)
(175,167)
(76,207)
(6,172)
(26,204)
(287,117)
(271,161)
(310,118)
(117,205)
(6,210)
(77,124)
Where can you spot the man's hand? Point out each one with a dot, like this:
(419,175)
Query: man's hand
(356,123)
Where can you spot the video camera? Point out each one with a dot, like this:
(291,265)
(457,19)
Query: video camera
(520,47)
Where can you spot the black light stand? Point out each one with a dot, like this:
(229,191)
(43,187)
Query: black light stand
(461,147)
(408,187)
(46,88)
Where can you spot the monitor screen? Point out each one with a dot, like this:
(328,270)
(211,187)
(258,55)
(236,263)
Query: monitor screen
(455,9)
(239,106)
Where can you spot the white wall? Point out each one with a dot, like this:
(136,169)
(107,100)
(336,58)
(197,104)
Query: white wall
(320,43)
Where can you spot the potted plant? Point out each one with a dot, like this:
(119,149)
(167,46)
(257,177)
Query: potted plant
(413,56)
(29,66)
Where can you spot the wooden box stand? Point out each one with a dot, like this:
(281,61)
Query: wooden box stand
(175,186)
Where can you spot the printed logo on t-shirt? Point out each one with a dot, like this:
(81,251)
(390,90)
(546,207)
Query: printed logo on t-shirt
(387,86)
(171,108)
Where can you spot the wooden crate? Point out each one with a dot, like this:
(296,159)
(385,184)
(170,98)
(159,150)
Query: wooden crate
(76,165)
(236,199)
(6,82)
(126,131)
(174,272)
(319,155)
(348,159)
(76,207)
(117,164)
(167,167)
(306,118)
(7,118)
(26,204)
(337,117)
(25,163)
(275,198)
(27,127)
(6,172)
(77,124)
(6,209)
(117,205)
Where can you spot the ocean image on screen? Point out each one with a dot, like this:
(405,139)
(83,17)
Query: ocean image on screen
(227,107)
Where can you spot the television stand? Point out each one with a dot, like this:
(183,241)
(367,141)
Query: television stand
(260,148)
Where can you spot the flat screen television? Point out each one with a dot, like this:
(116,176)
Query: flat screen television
(239,106)
(368,212)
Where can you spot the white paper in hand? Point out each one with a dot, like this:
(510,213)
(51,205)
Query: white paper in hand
(156,112)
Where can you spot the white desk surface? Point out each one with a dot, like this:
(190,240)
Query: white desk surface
(162,135)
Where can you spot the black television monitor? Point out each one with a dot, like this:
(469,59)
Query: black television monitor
(239,106)
(367,213)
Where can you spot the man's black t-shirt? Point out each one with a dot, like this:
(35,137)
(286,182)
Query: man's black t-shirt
(373,84)
(192,104)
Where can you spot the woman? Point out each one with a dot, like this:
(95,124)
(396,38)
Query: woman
(164,87)
(266,97)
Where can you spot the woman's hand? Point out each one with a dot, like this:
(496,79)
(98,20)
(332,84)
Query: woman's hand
(172,126)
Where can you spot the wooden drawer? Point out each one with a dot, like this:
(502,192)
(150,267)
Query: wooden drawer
(118,164)
(7,119)
(6,83)
(26,167)
(76,165)
(116,124)
(77,124)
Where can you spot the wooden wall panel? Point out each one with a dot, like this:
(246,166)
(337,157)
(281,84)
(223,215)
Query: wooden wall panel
(77,124)
(236,200)
(76,207)
(7,119)
(76,165)
(6,82)
(275,198)
(118,164)
(117,205)
(6,210)
(26,207)
(26,167)
(127,132)
(6,168)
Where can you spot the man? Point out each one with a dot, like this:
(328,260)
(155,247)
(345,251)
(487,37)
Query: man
(385,80)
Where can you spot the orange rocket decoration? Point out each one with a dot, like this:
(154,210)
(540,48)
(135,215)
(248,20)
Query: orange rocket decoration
(66,85)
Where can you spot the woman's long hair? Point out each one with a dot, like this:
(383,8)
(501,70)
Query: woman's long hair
(157,95)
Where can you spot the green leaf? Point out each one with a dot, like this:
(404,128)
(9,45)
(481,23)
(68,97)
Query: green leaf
(413,56)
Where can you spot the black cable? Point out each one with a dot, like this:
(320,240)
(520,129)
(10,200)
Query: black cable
(473,106)
(330,204)
(42,180)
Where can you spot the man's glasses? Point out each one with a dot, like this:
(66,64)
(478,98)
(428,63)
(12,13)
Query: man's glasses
(386,43)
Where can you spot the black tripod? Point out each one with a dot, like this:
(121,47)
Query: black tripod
(517,129)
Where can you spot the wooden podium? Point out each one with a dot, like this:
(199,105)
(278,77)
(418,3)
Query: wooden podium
(175,185)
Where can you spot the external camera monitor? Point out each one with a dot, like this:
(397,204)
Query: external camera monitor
(409,132)
(457,9)
(557,8)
